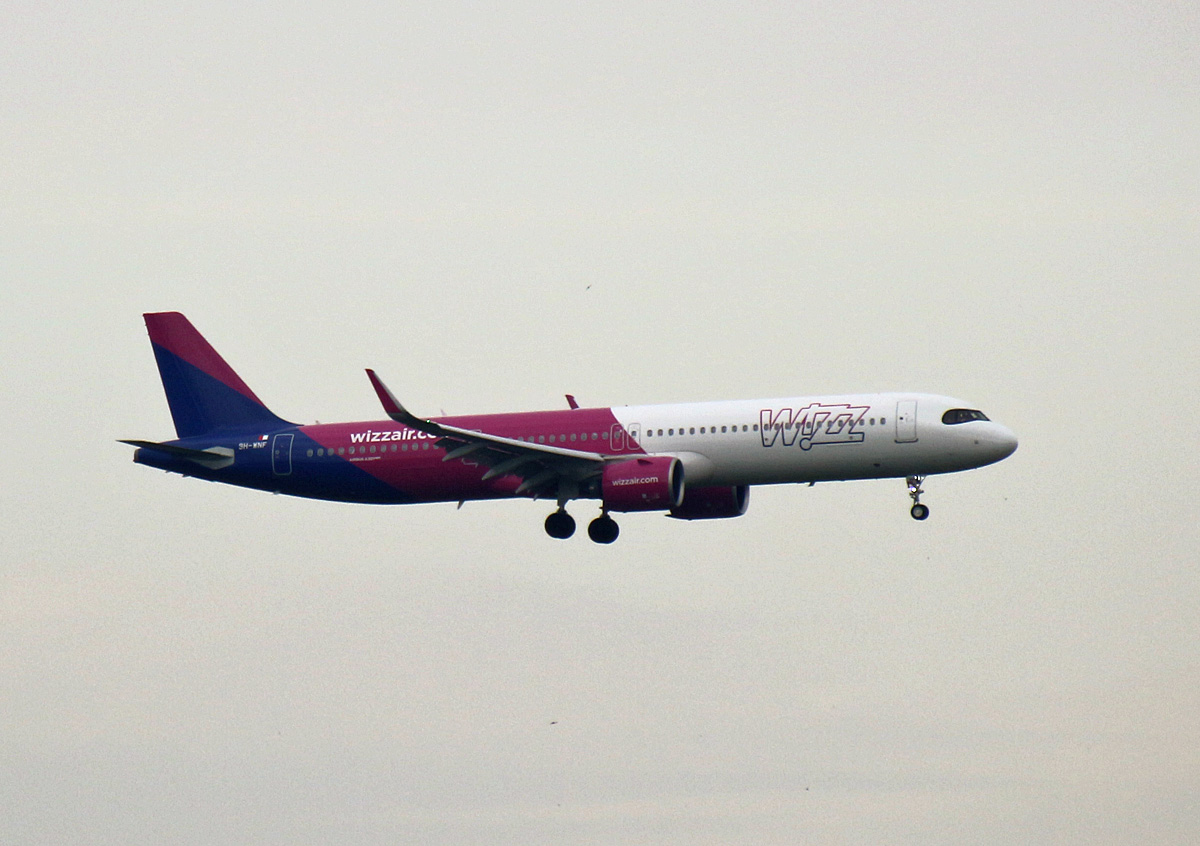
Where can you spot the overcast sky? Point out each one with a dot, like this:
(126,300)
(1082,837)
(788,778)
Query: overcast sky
(497,204)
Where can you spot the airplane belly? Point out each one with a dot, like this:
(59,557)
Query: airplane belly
(756,464)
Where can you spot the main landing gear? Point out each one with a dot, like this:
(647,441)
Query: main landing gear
(603,529)
(918,511)
(561,525)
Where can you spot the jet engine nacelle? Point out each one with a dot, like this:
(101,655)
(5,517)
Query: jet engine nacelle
(713,503)
(653,483)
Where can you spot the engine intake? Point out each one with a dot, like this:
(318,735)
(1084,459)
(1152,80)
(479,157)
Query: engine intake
(642,484)
(713,503)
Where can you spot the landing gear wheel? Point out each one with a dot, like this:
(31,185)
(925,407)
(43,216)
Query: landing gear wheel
(603,529)
(560,525)
(919,511)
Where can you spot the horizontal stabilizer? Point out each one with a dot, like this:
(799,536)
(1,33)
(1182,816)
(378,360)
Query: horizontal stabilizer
(214,458)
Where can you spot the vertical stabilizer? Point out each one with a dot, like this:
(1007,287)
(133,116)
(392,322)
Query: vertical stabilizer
(204,393)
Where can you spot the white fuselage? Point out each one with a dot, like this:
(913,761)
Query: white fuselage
(814,439)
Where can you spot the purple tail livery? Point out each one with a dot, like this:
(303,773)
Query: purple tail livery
(691,461)
(204,393)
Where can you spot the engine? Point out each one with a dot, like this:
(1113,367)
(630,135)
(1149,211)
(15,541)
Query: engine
(653,483)
(713,503)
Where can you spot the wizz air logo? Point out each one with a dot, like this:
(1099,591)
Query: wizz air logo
(370,437)
(640,480)
(812,425)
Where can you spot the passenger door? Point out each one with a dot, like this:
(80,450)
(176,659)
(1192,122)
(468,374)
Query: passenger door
(906,421)
(281,455)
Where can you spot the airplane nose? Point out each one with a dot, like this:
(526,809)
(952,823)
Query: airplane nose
(1010,442)
(1002,442)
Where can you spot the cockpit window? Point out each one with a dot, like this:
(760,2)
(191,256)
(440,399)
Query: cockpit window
(962,415)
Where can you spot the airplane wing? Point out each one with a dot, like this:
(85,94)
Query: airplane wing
(544,470)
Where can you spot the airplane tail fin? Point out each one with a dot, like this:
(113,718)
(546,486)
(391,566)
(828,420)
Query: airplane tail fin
(204,393)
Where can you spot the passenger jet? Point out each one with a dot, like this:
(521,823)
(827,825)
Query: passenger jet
(692,461)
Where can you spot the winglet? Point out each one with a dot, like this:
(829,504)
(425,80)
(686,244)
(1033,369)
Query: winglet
(392,406)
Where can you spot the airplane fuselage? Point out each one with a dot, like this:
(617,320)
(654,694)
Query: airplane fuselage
(693,461)
(745,442)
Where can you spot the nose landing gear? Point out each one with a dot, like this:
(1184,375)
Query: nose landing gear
(918,511)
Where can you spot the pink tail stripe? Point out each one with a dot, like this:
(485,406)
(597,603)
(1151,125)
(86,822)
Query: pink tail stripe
(176,334)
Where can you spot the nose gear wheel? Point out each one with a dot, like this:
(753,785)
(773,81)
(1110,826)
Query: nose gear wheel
(918,511)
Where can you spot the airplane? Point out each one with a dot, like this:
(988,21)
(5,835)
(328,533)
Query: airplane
(690,461)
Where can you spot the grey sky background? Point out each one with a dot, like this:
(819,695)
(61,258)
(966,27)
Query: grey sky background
(494,205)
